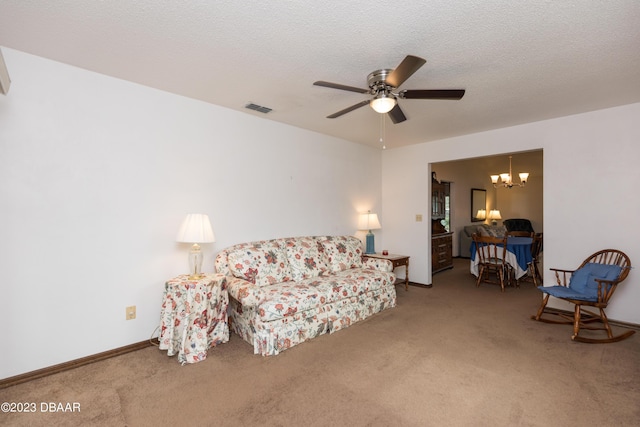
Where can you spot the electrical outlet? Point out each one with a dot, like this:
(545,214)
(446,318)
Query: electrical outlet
(418,218)
(131,312)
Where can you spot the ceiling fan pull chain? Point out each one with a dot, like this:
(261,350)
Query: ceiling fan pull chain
(382,131)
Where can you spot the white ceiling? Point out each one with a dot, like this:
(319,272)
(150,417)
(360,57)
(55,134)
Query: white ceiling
(518,61)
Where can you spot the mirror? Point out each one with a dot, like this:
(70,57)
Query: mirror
(478,205)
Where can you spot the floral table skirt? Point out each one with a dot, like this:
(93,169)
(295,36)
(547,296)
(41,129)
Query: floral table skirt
(194,316)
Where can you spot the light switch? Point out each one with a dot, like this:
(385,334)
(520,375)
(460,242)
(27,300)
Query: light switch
(418,218)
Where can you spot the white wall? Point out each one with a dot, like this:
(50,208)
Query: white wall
(590,168)
(96,175)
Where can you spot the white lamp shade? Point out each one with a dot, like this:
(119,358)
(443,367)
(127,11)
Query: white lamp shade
(494,214)
(196,228)
(482,214)
(368,221)
(383,104)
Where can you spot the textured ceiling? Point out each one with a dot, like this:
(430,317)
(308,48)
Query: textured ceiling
(518,61)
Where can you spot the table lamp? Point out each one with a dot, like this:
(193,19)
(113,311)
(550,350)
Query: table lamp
(369,222)
(494,215)
(196,228)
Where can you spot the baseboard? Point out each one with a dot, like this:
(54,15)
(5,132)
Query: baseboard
(29,376)
(420,285)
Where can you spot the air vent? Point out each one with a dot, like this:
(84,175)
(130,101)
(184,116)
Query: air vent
(259,108)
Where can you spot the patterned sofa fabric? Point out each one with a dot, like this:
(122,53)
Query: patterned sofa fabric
(285,291)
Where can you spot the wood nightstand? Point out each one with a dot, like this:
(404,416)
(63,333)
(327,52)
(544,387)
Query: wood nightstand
(397,261)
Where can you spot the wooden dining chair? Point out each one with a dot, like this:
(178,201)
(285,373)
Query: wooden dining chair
(491,253)
(533,270)
(533,266)
(590,285)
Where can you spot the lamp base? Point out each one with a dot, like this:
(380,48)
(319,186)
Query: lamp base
(370,248)
(195,262)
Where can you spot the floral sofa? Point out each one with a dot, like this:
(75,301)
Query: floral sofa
(283,292)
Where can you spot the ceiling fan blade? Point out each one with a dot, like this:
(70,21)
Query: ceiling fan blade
(432,94)
(341,87)
(407,67)
(396,115)
(349,109)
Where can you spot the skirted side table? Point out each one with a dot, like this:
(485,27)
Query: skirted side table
(194,316)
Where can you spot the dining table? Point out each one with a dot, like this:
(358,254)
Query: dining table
(518,255)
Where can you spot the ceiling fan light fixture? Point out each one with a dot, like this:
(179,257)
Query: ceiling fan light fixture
(383,103)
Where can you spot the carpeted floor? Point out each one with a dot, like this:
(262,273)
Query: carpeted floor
(451,355)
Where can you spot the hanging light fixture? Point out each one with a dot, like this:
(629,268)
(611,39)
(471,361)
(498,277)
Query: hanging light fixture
(384,101)
(507,178)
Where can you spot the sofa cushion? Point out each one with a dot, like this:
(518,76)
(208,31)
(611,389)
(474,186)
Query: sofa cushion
(306,257)
(342,253)
(491,230)
(262,264)
(291,298)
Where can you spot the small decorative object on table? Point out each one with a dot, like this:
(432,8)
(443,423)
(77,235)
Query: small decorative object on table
(194,316)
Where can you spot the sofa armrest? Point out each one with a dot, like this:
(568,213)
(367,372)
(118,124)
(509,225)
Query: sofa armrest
(464,250)
(245,292)
(378,264)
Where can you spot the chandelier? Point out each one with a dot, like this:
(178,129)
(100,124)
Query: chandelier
(507,178)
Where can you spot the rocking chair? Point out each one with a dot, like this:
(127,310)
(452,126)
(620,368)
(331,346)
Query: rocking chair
(591,285)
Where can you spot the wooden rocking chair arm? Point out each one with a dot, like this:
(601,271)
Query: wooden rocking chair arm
(561,270)
(562,276)
(604,288)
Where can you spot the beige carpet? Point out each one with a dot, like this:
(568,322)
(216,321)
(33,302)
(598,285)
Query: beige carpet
(452,355)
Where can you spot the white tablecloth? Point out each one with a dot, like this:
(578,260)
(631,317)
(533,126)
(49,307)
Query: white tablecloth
(511,260)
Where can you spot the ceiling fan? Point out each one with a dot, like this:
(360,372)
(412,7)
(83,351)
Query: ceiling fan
(382,84)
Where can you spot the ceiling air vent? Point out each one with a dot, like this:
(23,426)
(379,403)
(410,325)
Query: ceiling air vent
(259,108)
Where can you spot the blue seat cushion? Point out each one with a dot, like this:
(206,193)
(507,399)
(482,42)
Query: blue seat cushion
(568,293)
(579,280)
(604,271)
(583,285)
(593,271)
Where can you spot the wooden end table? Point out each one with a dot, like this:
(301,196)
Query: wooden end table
(397,261)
